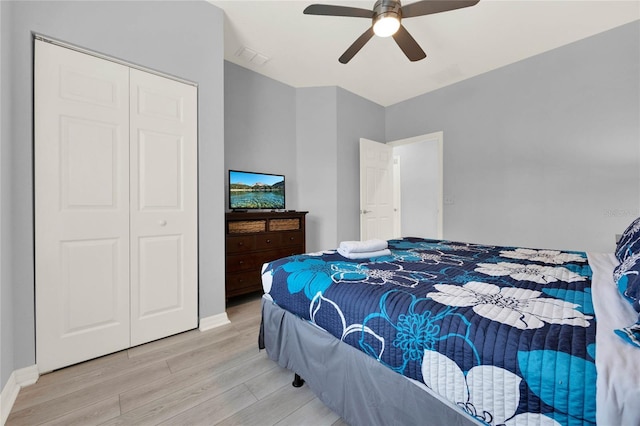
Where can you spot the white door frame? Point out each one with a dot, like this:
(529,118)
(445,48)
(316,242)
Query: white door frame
(437,138)
(397,197)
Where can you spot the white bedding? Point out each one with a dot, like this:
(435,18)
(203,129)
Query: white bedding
(617,362)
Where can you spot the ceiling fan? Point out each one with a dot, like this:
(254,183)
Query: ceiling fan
(386,18)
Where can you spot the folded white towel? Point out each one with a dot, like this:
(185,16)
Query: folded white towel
(363,246)
(364,255)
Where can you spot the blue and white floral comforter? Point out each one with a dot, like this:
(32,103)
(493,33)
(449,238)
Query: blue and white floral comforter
(507,334)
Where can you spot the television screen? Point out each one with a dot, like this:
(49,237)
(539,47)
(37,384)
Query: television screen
(249,190)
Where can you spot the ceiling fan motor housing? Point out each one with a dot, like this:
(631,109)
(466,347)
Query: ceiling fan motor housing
(386,8)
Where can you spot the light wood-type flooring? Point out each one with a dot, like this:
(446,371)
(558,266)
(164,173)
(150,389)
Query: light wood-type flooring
(216,377)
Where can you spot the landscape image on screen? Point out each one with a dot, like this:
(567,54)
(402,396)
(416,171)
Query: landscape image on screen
(255,191)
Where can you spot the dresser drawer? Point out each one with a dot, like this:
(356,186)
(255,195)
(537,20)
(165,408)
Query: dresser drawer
(246,226)
(241,262)
(272,255)
(268,241)
(284,224)
(242,282)
(292,239)
(241,243)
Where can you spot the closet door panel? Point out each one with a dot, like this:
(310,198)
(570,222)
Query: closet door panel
(160,274)
(164,286)
(81,156)
(160,171)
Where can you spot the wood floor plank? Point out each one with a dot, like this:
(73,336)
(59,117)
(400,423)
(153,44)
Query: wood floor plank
(162,343)
(43,391)
(199,378)
(87,369)
(96,371)
(93,414)
(246,317)
(202,339)
(215,352)
(251,306)
(313,413)
(215,409)
(66,404)
(159,388)
(186,398)
(47,388)
(248,324)
(273,408)
(269,382)
(83,367)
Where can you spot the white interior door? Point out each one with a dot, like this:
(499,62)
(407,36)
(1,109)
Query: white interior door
(376,190)
(81,206)
(164,169)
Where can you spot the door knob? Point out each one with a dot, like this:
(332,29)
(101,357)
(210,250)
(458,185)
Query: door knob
(162,222)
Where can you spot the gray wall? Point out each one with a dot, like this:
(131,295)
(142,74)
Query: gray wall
(316,157)
(544,152)
(329,124)
(357,118)
(6,312)
(540,153)
(260,127)
(181,38)
(311,136)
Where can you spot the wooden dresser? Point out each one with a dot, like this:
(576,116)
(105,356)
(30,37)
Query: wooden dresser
(254,238)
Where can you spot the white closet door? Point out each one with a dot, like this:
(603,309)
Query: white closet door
(81,206)
(164,153)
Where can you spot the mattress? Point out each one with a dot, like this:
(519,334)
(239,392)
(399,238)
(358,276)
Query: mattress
(505,334)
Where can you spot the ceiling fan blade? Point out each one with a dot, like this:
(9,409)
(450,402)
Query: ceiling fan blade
(356,46)
(326,9)
(428,7)
(409,46)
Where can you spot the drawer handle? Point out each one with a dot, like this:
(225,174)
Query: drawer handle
(291,238)
(240,243)
(241,262)
(268,241)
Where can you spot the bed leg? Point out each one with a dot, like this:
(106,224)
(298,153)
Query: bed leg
(297,381)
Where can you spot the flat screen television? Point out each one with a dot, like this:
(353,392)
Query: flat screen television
(255,191)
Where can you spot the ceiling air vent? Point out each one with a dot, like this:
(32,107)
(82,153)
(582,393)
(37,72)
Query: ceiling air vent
(252,56)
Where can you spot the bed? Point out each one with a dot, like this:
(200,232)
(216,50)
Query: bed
(451,333)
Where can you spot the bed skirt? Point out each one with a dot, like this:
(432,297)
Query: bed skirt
(351,383)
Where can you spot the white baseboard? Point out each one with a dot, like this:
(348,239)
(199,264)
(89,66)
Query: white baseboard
(18,379)
(214,321)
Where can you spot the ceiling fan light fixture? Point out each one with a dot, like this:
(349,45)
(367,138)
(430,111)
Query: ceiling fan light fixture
(386,24)
(386,16)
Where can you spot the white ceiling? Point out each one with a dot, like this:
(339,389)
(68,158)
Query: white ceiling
(303,50)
